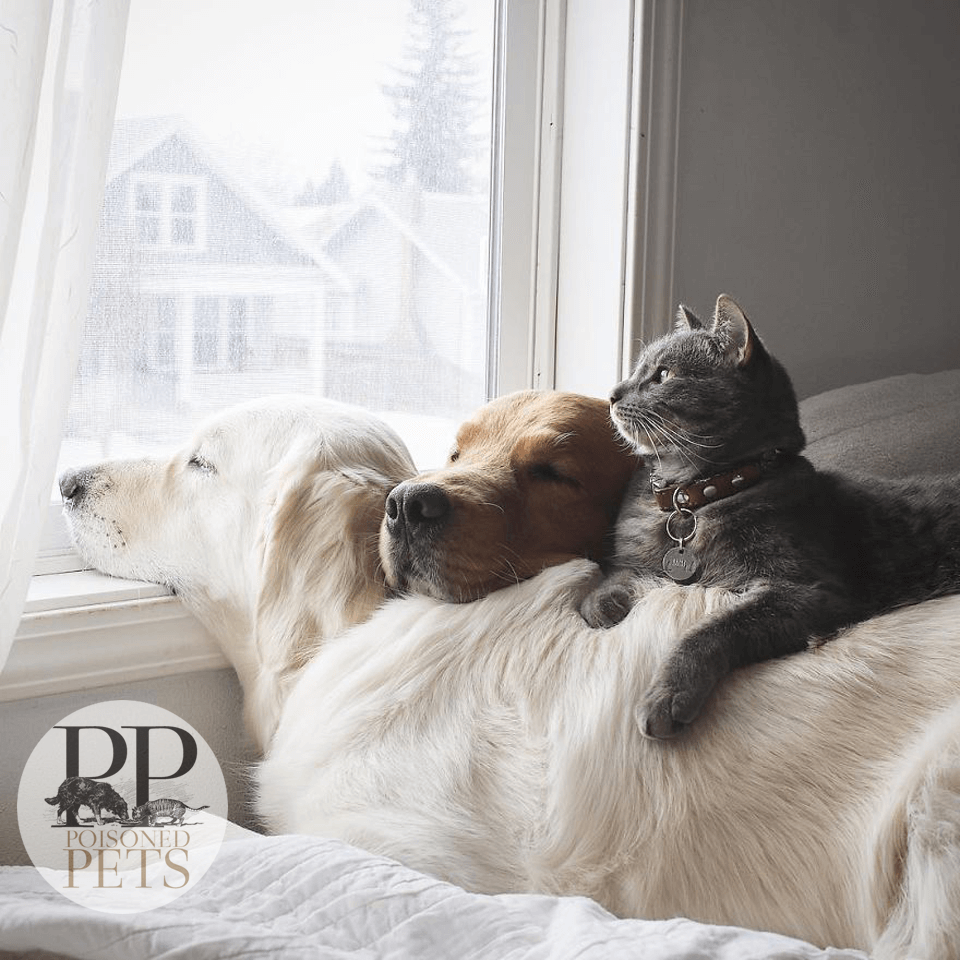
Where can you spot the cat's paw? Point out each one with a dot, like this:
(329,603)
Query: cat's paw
(654,716)
(606,606)
(670,706)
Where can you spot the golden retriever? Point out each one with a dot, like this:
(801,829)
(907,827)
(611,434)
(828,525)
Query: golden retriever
(265,523)
(492,743)
(535,479)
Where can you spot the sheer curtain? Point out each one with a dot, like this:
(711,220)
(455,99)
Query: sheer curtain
(59,71)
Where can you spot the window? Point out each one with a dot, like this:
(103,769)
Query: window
(146,211)
(224,328)
(273,292)
(237,334)
(184,212)
(206,331)
(166,211)
(284,213)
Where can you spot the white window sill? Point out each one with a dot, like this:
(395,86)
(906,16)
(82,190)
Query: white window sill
(83,629)
(85,588)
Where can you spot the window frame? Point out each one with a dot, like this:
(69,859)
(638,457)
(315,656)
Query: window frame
(567,175)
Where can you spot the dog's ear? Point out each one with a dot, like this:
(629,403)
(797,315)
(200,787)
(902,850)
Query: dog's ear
(318,569)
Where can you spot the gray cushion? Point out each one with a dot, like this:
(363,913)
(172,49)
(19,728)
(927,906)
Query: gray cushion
(896,427)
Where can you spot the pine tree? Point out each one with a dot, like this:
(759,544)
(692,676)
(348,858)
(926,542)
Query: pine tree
(335,189)
(434,104)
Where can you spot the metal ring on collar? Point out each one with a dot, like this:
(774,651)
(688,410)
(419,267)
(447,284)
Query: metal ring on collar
(680,540)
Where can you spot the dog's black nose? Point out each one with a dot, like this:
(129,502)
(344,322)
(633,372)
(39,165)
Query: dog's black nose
(416,505)
(71,485)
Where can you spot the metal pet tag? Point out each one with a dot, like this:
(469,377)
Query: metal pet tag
(681,565)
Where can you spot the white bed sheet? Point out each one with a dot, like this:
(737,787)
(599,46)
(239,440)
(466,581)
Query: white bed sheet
(297,897)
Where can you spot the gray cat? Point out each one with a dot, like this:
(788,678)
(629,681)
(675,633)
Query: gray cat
(725,499)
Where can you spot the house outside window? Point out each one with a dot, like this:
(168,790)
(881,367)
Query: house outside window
(336,253)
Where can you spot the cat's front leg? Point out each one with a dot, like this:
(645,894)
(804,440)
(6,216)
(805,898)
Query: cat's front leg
(610,602)
(771,622)
(677,696)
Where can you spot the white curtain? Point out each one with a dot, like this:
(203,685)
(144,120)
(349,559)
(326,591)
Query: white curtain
(59,72)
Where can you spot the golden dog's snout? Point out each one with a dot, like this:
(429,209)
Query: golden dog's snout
(413,506)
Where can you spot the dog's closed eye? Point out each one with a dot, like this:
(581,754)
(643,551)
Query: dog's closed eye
(549,472)
(200,463)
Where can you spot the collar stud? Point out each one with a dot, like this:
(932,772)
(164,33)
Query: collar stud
(698,493)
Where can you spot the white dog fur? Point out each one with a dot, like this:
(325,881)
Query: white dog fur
(208,522)
(493,743)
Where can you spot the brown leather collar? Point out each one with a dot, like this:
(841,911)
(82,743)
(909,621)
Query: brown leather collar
(698,493)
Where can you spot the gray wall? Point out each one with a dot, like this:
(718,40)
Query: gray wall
(819,179)
(209,701)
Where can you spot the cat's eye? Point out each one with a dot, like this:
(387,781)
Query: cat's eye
(663,374)
(454,456)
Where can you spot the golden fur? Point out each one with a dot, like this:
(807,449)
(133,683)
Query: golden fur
(535,479)
(492,743)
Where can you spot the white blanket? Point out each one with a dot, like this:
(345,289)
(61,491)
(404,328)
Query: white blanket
(291,897)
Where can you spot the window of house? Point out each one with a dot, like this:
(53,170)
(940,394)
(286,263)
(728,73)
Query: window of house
(166,211)
(184,214)
(222,329)
(206,331)
(162,333)
(146,211)
(237,334)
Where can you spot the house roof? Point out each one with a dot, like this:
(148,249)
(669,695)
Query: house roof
(135,138)
(441,217)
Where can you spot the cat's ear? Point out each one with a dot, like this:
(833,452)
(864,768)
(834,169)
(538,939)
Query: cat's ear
(687,319)
(732,328)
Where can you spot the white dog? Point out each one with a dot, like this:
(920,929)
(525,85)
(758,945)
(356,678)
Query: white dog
(309,474)
(493,743)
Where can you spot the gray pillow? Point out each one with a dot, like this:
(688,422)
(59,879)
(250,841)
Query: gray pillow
(896,427)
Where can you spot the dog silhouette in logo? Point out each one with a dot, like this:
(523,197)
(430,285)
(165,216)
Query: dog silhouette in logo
(173,812)
(75,792)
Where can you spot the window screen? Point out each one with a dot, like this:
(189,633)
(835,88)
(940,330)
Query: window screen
(297,200)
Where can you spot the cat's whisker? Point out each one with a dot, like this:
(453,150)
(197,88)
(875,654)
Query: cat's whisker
(669,439)
(676,430)
(653,444)
(676,438)
(694,460)
(689,433)
(682,434)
